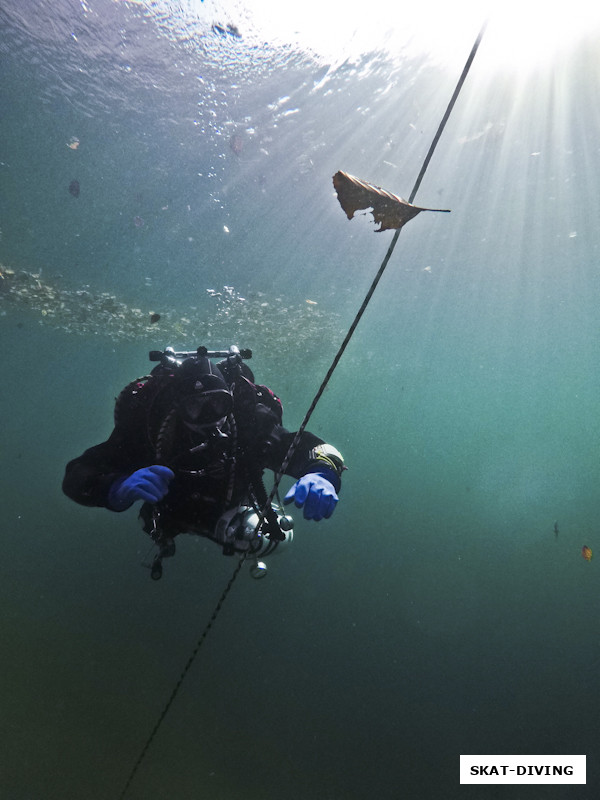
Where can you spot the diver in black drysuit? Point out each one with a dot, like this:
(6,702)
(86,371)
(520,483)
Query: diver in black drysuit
(192,441)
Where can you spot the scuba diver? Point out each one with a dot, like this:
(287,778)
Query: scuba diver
(191,440)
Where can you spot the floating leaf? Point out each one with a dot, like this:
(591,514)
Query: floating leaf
(586,552)
(389,210)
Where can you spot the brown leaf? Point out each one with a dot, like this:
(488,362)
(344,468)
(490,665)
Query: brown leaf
(389,210)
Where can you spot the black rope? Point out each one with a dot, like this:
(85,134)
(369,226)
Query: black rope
(307,417)
(184,672)
(446,116)
(381,270)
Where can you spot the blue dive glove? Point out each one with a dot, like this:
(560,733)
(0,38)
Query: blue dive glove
(315,494)
(149,483)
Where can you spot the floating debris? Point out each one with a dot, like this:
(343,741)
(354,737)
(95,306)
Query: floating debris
(258,321)
(226,30)
(586,552)
(236,144)
(74,310)
(389,211)
(73,143)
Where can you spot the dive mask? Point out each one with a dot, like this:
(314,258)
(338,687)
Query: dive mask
(206,409)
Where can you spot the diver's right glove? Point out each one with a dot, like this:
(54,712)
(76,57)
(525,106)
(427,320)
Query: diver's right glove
(315,494)
(149,483)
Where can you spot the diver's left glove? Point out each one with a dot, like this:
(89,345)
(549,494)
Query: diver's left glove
(315,495)
(149,483)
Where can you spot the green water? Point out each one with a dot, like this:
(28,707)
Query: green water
(437,613)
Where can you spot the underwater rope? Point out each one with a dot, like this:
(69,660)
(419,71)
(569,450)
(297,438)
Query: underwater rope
(381,270)
(184,672)
(307,417)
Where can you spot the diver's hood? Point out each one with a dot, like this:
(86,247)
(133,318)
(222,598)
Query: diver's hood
(200,369)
